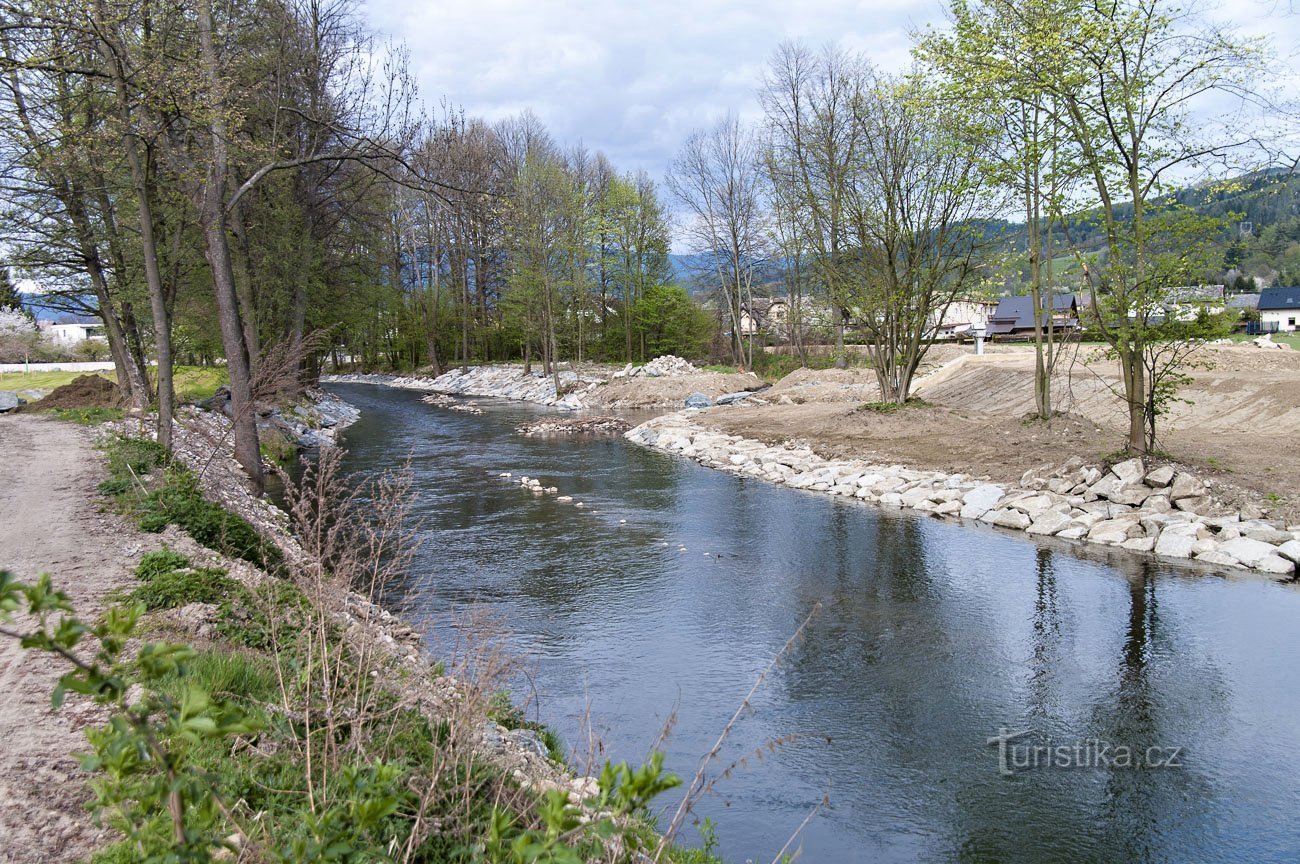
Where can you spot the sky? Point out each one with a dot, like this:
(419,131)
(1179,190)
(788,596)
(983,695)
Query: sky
(634,78)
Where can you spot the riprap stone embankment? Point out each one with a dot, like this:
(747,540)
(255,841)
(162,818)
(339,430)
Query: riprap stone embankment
(1161,511)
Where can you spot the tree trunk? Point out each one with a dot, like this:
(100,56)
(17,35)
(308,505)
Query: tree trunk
(212,218)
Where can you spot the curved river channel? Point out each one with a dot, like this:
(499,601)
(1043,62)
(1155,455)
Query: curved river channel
(676,585)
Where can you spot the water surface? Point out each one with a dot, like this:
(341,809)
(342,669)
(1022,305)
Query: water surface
(672,590)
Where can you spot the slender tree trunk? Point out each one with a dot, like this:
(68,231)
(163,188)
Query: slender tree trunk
(212,218)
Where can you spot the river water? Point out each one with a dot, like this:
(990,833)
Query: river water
(672,590)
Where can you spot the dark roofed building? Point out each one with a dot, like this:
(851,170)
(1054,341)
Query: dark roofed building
(1279,308)
(1015,315)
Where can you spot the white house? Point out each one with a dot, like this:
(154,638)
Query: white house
(764,316)
(1279,309)
(961,314)
(72,330)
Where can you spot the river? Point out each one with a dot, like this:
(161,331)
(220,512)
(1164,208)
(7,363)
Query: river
(675,586)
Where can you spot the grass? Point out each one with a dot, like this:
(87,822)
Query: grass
(148,485)
(86,416)
(891,407)
(190,382)
(1292,339)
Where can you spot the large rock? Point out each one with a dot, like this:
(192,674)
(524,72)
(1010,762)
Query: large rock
(728,398)
(1177,540)
(1194,504)
(1268,534)
(1006,519)
(698,400)
(980,500)
(1132,495)
(1186,486)
(1129,471)
(1275,564)
(1049,523)
(9,401)
(913,497)
(1248,552)
(1290,550)
(1111,532)
(1103,488)
(1162,476)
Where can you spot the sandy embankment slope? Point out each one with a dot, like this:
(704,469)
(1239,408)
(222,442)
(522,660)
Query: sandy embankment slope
(1242,421)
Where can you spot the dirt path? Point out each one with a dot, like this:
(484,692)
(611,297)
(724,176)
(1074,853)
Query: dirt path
(50,523)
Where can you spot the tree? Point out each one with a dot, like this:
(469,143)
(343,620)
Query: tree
(716,177)
(814,135)
(9,296)
(916,199)
(1121,79)
(980,61)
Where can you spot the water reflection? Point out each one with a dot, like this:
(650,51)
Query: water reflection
(677,585)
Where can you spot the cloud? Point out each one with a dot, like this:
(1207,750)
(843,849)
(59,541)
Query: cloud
(633,79)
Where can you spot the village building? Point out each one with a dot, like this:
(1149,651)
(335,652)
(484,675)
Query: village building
(69,330)
(765,315)
(1279,310)
(961,315)
(1014,316)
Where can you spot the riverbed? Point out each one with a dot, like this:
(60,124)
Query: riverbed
(673,587)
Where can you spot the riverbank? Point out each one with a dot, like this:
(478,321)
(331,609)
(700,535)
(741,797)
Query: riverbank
(666,382)
(427,743)
(1172,514)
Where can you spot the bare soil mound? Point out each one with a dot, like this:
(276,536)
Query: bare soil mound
(670,391)
(85,391)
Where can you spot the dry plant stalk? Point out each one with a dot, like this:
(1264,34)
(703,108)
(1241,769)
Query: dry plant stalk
(700,784)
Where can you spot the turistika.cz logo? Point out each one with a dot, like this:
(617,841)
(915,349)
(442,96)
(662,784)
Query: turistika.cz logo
(1023,751)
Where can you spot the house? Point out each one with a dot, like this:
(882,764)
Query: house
(68,330)
(1185,302)
(1242,302)
(1014,316)
(961,314)
(764,315)
(1279,309)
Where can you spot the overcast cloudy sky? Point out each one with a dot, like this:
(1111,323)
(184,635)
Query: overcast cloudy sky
(633,79)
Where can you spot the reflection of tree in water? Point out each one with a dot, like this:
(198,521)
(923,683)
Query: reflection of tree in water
(1045,654)
(1146,809)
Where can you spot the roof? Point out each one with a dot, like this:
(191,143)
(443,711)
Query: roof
(1014,313)
(1279,298)
(1242,301)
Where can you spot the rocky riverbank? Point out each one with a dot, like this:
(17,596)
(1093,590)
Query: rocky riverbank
(665,382)
(202,442)
(1162,511)
(502,382)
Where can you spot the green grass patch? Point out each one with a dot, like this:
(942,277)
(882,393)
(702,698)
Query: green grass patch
(176,588)
(148,484)
(84,416)
(43,380)
(891,407)
(718,367)
(191,383)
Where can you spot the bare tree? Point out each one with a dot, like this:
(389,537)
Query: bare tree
(716,177)
(915,208)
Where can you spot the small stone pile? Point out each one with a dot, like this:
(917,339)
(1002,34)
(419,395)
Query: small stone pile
(576,426)
(444,401)
(659,367)
(1162,511)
